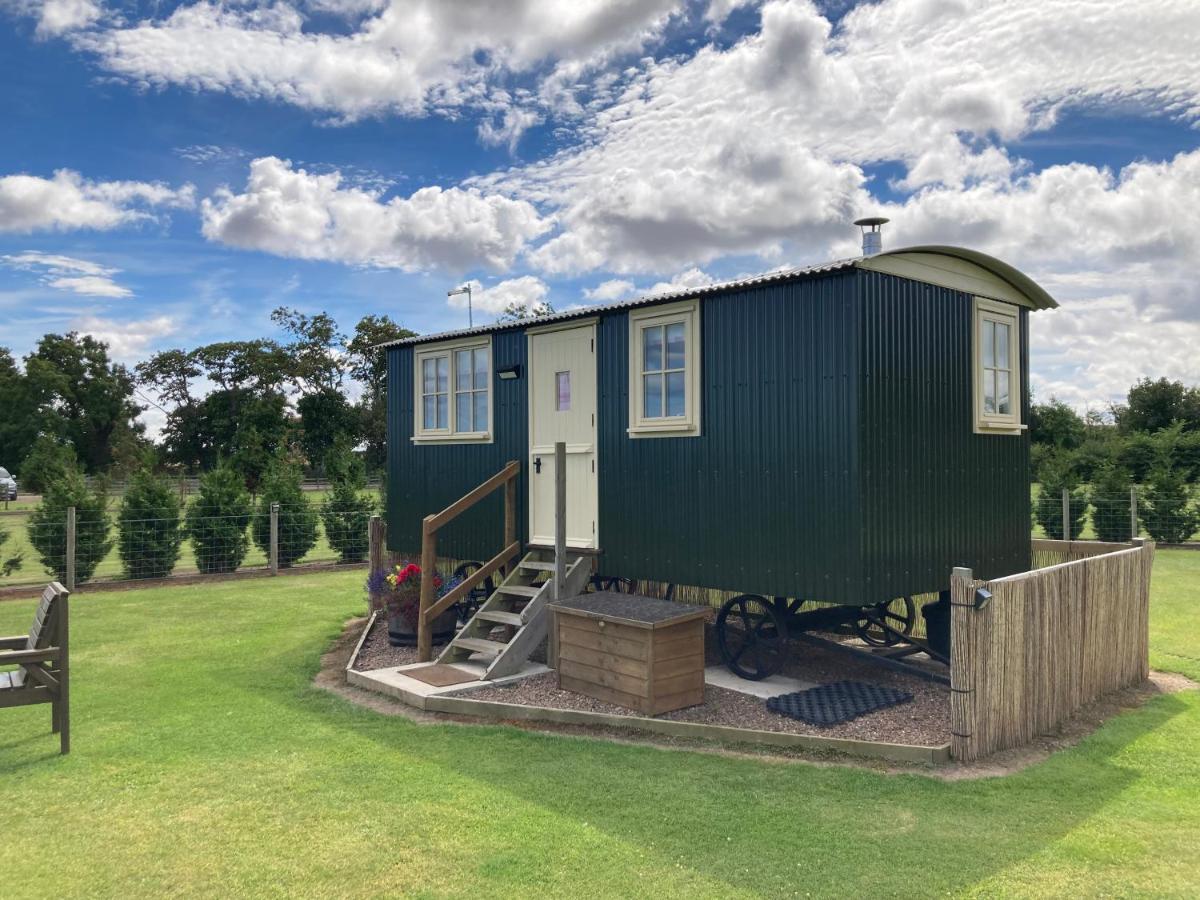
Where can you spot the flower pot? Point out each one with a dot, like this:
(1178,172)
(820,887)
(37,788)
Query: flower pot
(403,634)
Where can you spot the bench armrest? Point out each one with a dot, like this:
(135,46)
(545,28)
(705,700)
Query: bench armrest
(21,657)
(16,642)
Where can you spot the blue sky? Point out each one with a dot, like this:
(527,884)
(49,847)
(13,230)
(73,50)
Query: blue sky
(224,160)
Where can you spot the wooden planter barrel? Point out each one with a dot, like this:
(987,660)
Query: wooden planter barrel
(633,651)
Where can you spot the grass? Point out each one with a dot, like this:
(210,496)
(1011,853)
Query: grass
(206,764)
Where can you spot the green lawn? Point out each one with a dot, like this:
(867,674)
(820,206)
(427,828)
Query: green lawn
(206,764)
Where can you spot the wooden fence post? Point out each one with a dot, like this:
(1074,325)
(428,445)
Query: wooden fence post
(376,538)
(273,558)
(428,564)
(1066,501)
(1133,515)
(963,714)
(70,549)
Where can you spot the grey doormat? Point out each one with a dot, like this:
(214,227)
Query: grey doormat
(832,704)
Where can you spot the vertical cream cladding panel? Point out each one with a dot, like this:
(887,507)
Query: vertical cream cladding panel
(562,407)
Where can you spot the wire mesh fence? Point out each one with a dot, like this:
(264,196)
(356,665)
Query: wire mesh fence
(103,549)
(1165,516)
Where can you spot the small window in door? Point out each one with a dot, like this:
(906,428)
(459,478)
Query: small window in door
(562,391)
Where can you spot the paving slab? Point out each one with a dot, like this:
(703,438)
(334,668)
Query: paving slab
(720,676)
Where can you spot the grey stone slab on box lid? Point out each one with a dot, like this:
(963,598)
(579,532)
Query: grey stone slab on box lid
(632,609)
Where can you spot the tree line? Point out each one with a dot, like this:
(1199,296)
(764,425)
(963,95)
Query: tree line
(232,402)
(1151,441)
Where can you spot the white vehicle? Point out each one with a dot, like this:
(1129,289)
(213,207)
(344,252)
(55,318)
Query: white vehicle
(8,485)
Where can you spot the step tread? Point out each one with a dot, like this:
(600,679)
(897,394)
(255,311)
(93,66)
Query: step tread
(537,565)
(479,645)
(519,590)
(498,615)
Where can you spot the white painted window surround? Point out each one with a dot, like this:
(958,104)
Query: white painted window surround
(997,368)
(452,387)
(664,370)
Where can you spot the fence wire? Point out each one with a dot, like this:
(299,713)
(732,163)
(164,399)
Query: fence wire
(195,542)
(1164,517)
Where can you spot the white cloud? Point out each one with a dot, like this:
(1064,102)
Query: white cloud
(68,201)
(526,290)
(66,273)
(291,212)
(58,17)
(761,146)
(408,57)
(611,290)
(127,341)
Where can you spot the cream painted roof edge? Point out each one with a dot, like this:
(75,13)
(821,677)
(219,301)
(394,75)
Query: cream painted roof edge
(1038,296)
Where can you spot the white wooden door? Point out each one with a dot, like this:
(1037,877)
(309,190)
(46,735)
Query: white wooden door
(562,407)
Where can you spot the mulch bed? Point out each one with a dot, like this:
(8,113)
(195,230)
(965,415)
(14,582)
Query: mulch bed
(925,721)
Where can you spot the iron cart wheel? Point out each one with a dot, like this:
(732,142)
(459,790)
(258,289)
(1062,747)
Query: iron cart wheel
(469,605)
(752,637)
(899,615)
(612,583)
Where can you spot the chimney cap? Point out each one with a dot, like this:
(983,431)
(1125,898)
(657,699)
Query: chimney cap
(871,222)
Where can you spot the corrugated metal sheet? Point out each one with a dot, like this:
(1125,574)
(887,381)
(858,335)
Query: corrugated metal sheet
(426,478)
(935,494)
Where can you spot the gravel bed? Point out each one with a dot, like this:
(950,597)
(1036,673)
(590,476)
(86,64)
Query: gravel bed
(924,721)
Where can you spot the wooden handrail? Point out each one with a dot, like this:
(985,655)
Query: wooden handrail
(430,609)
(474,580)
(437,520)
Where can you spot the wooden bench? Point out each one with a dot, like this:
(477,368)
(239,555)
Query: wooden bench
(41,655)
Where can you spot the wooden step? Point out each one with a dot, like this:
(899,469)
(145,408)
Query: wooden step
(518,590)
(503,618)
(479,645)
(537,566)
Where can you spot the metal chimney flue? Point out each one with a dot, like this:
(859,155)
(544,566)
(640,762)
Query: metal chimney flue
(872,234)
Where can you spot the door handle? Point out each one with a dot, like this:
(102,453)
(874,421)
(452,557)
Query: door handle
(537,465)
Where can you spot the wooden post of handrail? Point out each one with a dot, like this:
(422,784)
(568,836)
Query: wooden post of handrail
(560,519)
(510,515)
(428,564)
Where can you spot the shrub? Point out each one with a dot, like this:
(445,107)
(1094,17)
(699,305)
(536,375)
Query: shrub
(1110,503)
(217,520)
(346,512)
(1058,475)
(148,523)
(48,526)
(281,483)
(1136,454)
(1165,506)
(47,462)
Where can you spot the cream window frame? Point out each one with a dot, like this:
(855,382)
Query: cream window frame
(449,435)
(687,425)
(1002,314)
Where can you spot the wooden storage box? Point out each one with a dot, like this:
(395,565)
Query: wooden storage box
(636,652)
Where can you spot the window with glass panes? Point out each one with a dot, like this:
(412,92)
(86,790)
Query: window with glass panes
(664,370)
(997,366)
(453,391)
(471,390)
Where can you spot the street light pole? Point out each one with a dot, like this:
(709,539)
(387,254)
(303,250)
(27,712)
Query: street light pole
(465,289)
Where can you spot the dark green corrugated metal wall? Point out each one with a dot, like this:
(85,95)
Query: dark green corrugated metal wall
(936,494)
(425,478)
(764,499)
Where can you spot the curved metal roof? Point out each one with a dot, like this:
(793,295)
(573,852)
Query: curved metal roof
(1022,283)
